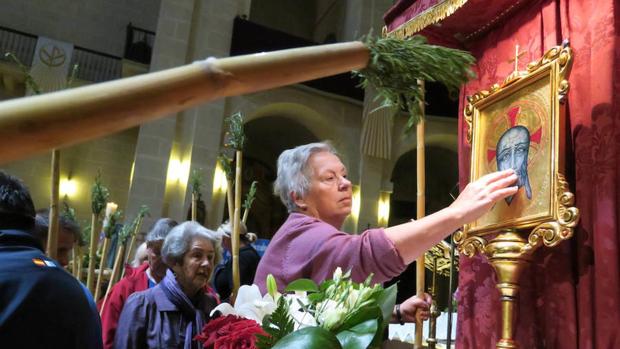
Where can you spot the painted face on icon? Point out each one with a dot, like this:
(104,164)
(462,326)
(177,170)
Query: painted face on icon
(511,152)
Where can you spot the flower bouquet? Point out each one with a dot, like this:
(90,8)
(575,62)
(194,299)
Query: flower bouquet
(338,313)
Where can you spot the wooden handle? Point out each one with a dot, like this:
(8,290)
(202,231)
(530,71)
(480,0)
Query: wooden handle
(34,124)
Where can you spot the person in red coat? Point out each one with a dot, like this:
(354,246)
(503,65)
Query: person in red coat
(141,278)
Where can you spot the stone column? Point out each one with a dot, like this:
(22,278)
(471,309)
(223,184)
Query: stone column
(360,17)
(187,30)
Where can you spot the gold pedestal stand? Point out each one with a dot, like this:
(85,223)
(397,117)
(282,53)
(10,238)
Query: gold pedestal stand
(510,253)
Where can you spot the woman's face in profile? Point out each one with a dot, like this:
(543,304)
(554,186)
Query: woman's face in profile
(330,194)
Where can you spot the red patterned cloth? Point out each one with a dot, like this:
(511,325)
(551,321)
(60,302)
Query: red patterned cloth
(570,297)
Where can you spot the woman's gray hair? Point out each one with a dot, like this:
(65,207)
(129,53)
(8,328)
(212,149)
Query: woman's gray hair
(293,173)
(160,229)
(179,240)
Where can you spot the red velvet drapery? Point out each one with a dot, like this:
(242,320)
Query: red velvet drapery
(571,294)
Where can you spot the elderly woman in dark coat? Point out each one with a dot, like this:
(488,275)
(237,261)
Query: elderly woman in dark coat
(170,314)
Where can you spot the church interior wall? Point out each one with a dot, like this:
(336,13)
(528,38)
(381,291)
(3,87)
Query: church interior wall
(186,31)
(93,24)
(112,156)
(299,19)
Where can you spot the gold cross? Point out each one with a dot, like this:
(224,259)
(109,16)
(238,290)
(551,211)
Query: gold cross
(516,59)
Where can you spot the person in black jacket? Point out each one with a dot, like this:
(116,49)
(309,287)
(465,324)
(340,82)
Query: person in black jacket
(41,305)
(248,261)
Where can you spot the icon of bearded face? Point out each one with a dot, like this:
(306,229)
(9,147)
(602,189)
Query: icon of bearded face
(511,152)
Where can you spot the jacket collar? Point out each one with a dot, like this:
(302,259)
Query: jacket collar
(11,237)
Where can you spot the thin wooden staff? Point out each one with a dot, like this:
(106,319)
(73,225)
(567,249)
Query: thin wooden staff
(115,272)
(108,231)
(421,211)
(144,211)
(74,259)
(80,258)
(196,184)
(194,207)
(33,124)
(112,216)
(52,233)
(118,261)
(94,237)
(236,227)
(99,197)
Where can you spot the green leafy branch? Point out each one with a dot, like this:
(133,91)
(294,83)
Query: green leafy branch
(196,182)
(226,164)
(396,66)
(68,212)
(236,137)
(100,195)
(249,199)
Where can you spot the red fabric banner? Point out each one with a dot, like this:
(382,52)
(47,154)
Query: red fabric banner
(570,296)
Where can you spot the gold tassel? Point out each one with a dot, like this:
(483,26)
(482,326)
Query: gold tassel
(429,16)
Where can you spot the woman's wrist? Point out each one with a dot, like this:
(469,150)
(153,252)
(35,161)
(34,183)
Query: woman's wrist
(399,315)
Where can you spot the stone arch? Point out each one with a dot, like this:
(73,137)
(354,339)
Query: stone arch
(271,129)
(441,177)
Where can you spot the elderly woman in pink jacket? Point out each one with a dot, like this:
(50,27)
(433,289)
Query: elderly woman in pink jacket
(312,183)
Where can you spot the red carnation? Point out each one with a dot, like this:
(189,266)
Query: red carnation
(230,332)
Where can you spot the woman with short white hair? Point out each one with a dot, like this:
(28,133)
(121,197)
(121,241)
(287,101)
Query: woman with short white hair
(313,184)
(173,312)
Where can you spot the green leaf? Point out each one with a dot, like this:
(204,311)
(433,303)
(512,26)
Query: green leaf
(196,182)
(302,285)
(99,196)
(358,316)
(386,301)
(249,199)
(235,133)
(272,286)
(358,336)
(277,325)
(309,338)
(397,65)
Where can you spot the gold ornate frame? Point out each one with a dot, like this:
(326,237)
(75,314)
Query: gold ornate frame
(550,73)
(509,243)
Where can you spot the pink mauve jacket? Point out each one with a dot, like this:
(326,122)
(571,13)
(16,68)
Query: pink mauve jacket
(306,247)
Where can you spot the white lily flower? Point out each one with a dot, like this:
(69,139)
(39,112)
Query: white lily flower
(249,304)
(298,301)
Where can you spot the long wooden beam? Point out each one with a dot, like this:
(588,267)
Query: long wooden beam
(35,124)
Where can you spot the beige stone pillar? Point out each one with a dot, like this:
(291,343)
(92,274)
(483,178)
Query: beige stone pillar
(187,30)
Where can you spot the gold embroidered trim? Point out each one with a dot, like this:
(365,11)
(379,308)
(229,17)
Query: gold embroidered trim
(429,16)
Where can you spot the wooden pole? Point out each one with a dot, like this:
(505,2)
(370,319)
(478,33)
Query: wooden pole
(236,228)
(246,214)
(115,272)
(78,260)
(94,237)
(102,267)
(52,233)
(421,211)
(130,249)
(33,124)
(74,260)
(230,201)
(194,207)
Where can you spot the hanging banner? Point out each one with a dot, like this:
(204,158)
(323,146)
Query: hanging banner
(50,65)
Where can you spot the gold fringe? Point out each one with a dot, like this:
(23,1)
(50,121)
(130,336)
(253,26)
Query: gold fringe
(430,16)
